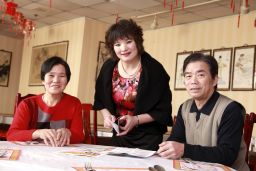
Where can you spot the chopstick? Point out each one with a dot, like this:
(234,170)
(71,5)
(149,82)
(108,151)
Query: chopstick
(121,168)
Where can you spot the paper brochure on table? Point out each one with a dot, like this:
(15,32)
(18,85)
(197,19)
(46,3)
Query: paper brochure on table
(135,152)
(200,166)
(9,154)
(29,143)
(88,152)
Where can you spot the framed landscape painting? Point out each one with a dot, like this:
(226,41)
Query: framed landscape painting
(40,54)
(5,67)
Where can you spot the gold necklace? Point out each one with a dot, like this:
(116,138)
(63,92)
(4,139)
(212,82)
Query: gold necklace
(136,70)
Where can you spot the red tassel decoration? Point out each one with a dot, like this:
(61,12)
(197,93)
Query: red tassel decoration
(183,4)
(238,22)
(233,8)
(164,3)
(171,7)
(50,3)
(172,18)
(176,3)
(247,3)
(231,4)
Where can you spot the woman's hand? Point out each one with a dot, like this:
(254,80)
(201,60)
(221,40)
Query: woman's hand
(108,118)
(49,136)
(63,137)
(130,123)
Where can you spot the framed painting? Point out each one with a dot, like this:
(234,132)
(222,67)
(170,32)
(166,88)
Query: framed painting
(5,67)
(179,79)
(243,68)
(224,59)
(103,55)
(205,52)
(40,54)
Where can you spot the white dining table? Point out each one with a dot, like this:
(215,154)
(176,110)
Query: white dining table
(23,156)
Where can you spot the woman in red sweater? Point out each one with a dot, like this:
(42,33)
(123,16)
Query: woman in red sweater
(54,117)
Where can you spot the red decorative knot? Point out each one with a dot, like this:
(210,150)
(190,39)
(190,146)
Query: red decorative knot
(25,26)
(11,8)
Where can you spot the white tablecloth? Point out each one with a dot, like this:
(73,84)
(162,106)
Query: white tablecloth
(44,158)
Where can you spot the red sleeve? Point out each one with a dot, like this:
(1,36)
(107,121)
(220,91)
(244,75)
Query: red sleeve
(76,126)
(20,129)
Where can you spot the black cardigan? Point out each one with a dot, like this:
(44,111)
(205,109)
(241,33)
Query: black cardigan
(153,94)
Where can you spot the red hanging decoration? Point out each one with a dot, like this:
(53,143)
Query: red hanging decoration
(172,18)
(50,3)
(11,8)
(247,3)
(238,22)
(176,3)
(231,4)
(183,4)
(233,8)
(171,7)
(164,3)
(25,26)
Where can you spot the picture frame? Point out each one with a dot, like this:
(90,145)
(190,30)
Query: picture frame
(205,52)
(103,55)
(40,54)
(5,67)
(243,68)
(179,78)
(224,58)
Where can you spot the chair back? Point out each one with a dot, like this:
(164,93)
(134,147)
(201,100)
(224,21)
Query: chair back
(90,134)
(5,127)
(248,127)
(18,99)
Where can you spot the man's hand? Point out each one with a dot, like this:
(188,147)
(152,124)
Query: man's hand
(171,149)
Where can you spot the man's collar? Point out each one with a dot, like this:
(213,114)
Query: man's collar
(208,106)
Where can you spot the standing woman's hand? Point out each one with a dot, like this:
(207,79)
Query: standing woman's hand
(63,136)
(130,123)
(49,136)
(108,118)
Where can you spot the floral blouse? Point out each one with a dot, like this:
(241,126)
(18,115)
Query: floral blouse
(124,91)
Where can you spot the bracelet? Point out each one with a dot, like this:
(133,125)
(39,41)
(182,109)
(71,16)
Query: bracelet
(138,120)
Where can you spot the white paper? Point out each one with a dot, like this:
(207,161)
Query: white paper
(136,152)
(116,128)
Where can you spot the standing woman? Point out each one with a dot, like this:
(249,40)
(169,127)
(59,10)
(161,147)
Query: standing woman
(54,116)
(133,88)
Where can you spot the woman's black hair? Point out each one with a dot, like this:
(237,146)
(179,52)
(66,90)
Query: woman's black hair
(124,28)
(51,62)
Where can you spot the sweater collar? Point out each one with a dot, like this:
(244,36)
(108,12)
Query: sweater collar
(207,108)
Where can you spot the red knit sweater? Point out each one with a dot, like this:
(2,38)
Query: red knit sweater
(32,112)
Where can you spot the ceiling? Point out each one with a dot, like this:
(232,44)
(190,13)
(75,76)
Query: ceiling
(143,11)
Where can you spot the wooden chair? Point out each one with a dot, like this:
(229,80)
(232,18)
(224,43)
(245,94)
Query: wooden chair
(249,121)
(19,98)
(5,127)
(248,127)
(90,134)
